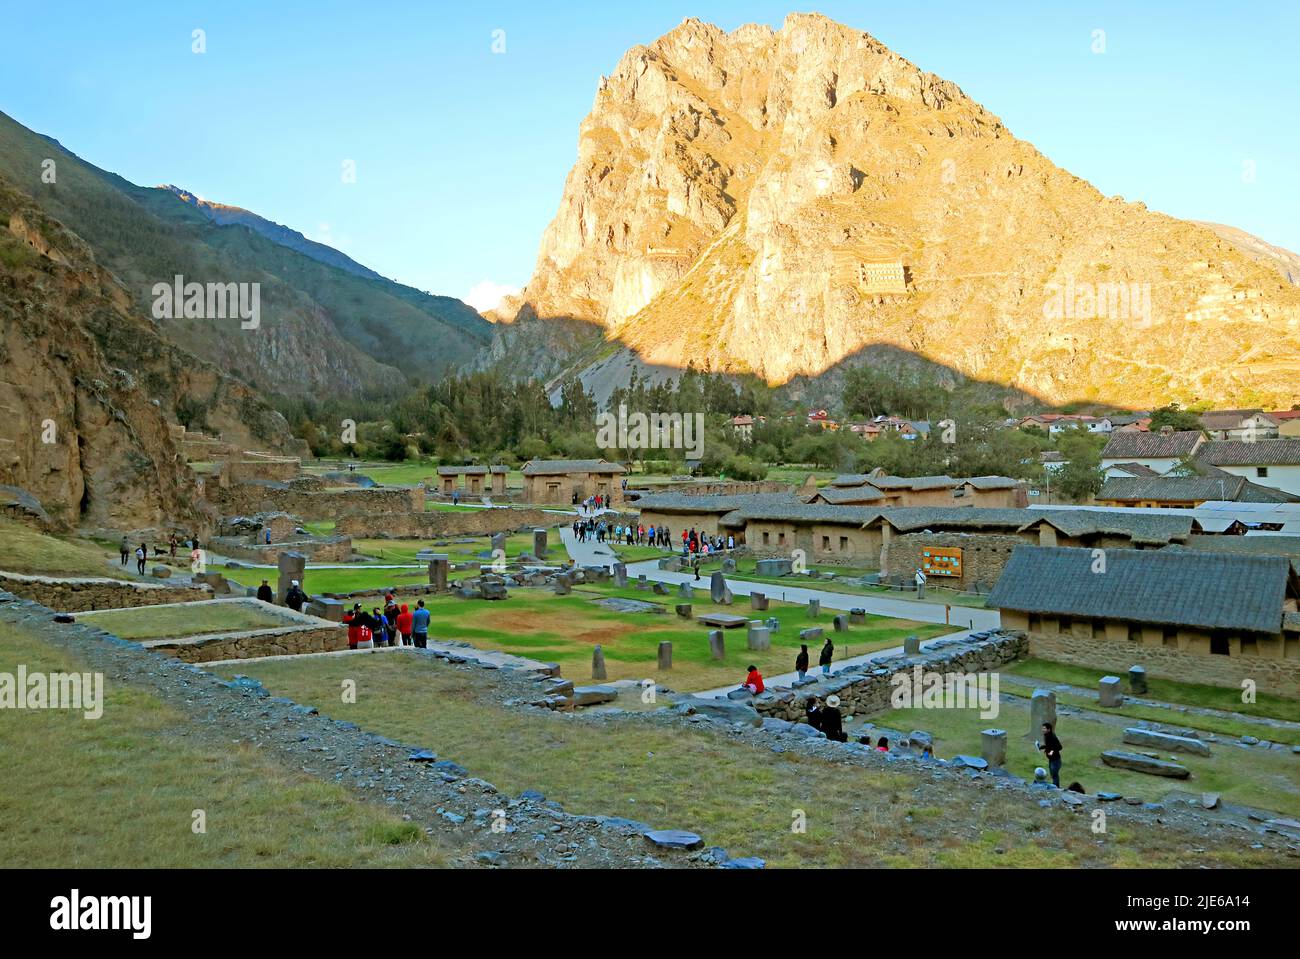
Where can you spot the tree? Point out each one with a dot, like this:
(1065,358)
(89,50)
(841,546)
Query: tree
(1173,415)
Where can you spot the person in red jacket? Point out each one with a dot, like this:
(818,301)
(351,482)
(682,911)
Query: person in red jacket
(754,681)
(350,619)
(405,624)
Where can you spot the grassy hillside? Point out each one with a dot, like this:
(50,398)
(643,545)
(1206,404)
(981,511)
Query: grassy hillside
(321,327)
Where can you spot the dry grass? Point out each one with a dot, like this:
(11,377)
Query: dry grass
(24,550)
(120,792)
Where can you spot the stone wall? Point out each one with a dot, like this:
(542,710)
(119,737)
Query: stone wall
(287,641)
(825,544)
(250,468)
(312,502)
(326,549)
(1183,655)
(77,595)
(432,524)
(983,555)
(866,689)
(711,489)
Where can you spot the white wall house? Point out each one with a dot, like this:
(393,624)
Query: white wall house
(1159,452)
(1269,462)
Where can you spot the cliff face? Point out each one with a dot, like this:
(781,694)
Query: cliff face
(784,202)
(85,381)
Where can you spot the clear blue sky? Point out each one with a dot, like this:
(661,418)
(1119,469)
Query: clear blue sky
(461,153)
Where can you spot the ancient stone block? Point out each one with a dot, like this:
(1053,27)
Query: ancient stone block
(665,655)
(1136,736)
(1138,763)
(993,746)
(1109,692)
(758,601)
(1042,709)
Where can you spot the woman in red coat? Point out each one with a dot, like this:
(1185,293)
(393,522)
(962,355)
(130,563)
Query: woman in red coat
(405,624)
(754,681)
(354,627)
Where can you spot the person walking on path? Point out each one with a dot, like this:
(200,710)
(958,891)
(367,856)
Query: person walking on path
(141,556)
(1051,747)
(828,653)
(420,626)
(125,549)
(801,662)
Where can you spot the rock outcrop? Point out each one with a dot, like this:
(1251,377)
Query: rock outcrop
(785,202)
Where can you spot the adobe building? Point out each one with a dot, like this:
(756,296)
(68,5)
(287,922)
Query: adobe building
(827,535)
(559,481)
(703,512)
(473,480)
(1191,616)
(1185,492)
(880,489)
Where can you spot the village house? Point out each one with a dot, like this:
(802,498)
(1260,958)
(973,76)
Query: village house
(559,481)
(701,512)
(1060,422)
(1245,425)
(1159,452)
(822,419)
(743,427)
(471,479)
(1268,462)
(1186,491)
(1288,422)
(1187,615)
(1130,423)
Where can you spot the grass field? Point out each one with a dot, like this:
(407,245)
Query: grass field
(565,629)
(738,796)
(24,550)
(120,792)
(1252,776)
(159,622)
(1166,690)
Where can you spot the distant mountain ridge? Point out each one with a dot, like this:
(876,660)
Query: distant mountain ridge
(326,329)
(225,214)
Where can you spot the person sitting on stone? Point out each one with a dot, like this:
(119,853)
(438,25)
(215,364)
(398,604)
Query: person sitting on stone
(753,680)
(832,722)
(813,711)
(1040,779)
(265,593)
(882,745)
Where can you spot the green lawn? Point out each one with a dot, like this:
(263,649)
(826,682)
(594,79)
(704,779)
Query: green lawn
(1252,776)
(565,629)
(1166,690)
(193,619)
(334,580)
(741,797)
(24,550)
(120,792)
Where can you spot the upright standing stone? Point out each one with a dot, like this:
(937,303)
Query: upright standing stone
(292,566)
(642,582)
(772,623)
(684,610)
(858,617)
(598,663)
(620,574)
(727,597)
(1042,709)
(562,587)
(814,608)
(911,646)
(686,591)
(758,601)
(438,567)
(717,587)
(1109,693)
(539,543)
(841,623)
(1137,680)
(758,637)
(498,541)
(993,747)
(717,645)
(665,655)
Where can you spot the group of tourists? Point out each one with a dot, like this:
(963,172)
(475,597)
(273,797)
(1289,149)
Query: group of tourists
(389,625)
(592,504)
(141,552)
(700,544)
